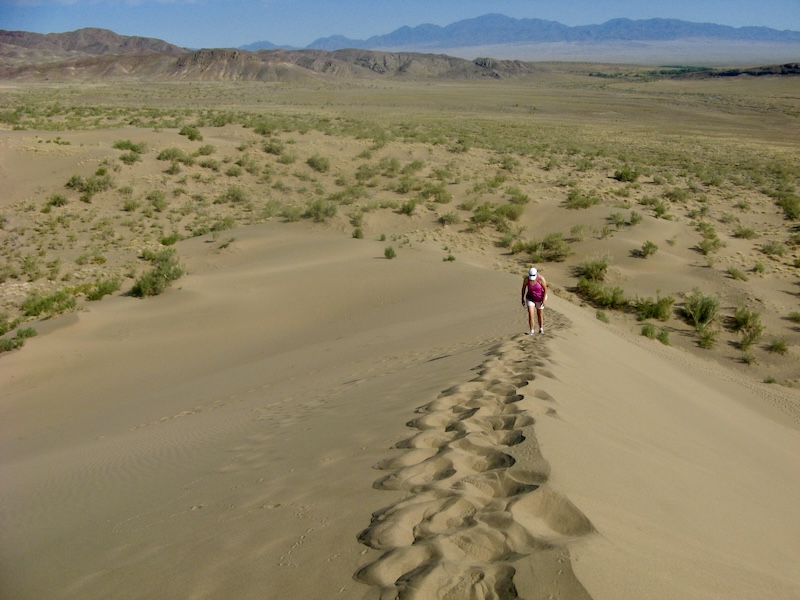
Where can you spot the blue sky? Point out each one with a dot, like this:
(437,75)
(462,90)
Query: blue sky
(219,23)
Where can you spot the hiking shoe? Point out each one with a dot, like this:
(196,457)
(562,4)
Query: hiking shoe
(541,329)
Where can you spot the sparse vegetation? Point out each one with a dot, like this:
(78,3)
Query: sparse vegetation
(166,269)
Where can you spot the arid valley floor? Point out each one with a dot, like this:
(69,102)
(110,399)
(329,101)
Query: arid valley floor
(336,398)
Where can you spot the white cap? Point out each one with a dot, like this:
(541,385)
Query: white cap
(532,273)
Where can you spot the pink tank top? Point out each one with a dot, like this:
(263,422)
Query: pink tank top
(535,290)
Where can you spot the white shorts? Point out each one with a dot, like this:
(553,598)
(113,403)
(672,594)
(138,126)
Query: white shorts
(539,305)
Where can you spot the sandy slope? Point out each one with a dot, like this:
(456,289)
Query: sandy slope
(219,442)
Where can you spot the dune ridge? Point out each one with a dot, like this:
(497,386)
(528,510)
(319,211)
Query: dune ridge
(478,503)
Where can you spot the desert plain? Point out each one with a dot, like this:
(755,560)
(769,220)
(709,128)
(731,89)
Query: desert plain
(265,340)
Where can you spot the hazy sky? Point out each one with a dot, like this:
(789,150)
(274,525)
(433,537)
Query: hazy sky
(219,23)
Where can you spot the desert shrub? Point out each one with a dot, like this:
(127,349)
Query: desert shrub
(292,213)
(320,210)
(130,205)
(647,250)
(287,158)
(577,199)
(358,233)
(659,308)
(745,320)
(139,148)
(13,343)
(594,269)
(413,167)
(627,173)
(635,219)
(707,337)
(649,330)
(57,200)
(36,304)
(517,196)
(274,146)
(408,207)
(512,212)
(171,239)
(773,248)
(759,267)
(601,296)
(790,203)
(191,132)
(618,220)
(449,218)
(553,248)
(710,245)
(778,346)
(205,150)
(794,317)
(234,194)
(578,232)
(158,200)
(601,316)
(389,253)
(210,163)
(736,273)
(103,287)
(676,195)
(166,269)
(744,233)
(319,163)
(130,158)
(234,171)
(348,195)
(663,336)
(700,310)
(175,155)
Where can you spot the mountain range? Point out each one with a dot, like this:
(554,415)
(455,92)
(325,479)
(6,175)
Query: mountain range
(409,53)
(496,29)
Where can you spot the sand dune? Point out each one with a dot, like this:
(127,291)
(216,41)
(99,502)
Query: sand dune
(302,418)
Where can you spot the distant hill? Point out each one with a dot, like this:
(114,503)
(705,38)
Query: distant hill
(98,54)
(495,29)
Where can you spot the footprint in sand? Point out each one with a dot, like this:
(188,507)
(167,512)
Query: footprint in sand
(472,517)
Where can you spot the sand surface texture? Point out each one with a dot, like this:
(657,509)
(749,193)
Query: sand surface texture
(301,418)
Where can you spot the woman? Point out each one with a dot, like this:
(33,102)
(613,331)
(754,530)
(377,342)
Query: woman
(534,295)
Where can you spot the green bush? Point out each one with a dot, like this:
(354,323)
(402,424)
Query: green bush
(36,304)
(744,233)
(139,148)
(57,200)
(601,296)
(449,218)
(649,330)
(158,200)
(320,210)
(577,199)
(130,158)
(627,173)
(166,269)
(779,346)
(191,132)
(319,163)
(647,250)
(594,269)
(700,310)
(660,308)
(389,252)
(736,273)
(773,248)
(102,288)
